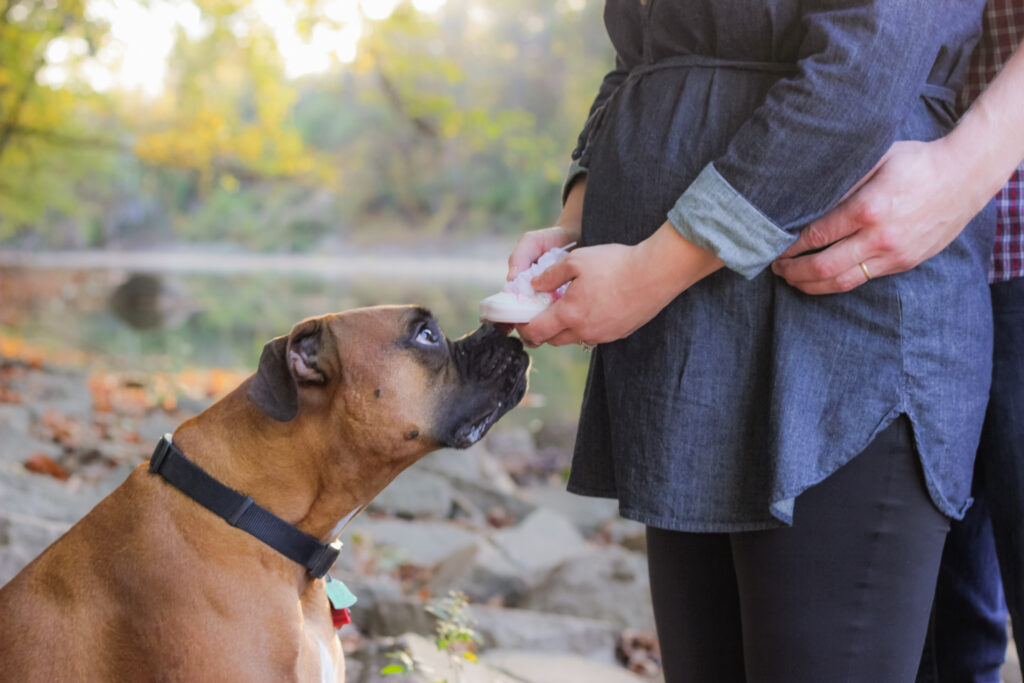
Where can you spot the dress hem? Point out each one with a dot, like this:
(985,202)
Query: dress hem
(938,499)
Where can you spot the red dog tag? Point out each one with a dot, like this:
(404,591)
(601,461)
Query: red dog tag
(340,617)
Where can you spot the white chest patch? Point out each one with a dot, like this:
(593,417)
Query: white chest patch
(328,672)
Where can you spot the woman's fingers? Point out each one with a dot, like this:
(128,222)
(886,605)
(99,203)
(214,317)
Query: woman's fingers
(527,250)
(556,275)
(547,325)
(532,245)
(565,338)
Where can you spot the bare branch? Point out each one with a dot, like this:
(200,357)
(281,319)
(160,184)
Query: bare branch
(422,125)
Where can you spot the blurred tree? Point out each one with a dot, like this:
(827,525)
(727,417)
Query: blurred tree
(478,112)
(226,112)
(48,138)
(446,125)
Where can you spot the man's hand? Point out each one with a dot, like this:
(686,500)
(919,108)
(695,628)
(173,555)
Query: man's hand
(905,211)
(919,197)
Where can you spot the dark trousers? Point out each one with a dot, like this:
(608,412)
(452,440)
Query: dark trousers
(842,596)
(967,642)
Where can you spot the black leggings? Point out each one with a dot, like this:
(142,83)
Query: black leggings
(842,596)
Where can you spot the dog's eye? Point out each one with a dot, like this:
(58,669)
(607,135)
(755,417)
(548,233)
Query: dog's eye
(427,337)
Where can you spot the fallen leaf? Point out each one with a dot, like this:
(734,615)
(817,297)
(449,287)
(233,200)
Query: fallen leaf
(40,463)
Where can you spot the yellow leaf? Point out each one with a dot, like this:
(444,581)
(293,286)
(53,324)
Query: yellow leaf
(229,183)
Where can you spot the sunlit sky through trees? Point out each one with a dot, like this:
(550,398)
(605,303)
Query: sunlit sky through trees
(288,124)
(143,33)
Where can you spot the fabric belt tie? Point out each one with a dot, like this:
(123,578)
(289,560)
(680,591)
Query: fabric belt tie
(240,511)
(637,72)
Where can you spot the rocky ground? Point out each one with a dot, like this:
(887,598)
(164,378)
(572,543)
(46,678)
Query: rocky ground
(556,584)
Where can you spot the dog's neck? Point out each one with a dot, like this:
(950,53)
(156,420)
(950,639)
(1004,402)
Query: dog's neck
(314,484)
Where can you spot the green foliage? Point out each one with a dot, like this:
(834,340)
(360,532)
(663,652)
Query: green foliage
(454,623)
(48,139)
(445,126)
(455,636)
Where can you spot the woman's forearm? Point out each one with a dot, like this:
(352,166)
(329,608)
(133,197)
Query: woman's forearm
(571,218)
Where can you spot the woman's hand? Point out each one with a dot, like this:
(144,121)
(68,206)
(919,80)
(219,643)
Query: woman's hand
(615,289)
(534,243)
(565,231)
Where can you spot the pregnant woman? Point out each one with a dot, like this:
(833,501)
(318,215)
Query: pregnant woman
(796,459)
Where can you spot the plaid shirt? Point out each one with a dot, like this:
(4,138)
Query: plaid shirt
(1003,31)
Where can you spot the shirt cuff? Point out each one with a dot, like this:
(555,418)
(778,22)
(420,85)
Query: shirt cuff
(714,216)
(576,169)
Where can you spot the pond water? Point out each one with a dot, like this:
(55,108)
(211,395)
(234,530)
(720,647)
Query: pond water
(143,320)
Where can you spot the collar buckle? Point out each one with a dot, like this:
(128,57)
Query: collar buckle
(163,447)
(323,560)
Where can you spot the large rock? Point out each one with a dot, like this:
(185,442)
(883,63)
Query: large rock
(16,446)
(541,542)
(517,629)
(587,513)
(56,389)
(370,591)
(37,509)
(397,541)
(512,444)
(22,538)
(479,478)
(395,617)
(627,533)
(480,571)
(43,497)
(416,493)
(532,667)
(473,465)
(14,419)
(610,584)
(156,423)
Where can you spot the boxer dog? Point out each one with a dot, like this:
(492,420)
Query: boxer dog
(175,577)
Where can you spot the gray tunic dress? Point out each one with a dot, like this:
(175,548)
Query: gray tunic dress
(741,121)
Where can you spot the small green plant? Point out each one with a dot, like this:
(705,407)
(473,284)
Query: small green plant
(404,664)
(455,636)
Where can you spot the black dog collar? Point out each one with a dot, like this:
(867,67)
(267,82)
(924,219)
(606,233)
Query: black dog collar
(240,511)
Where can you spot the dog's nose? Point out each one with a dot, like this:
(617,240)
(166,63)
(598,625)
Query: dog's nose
(487,328)
(486,331)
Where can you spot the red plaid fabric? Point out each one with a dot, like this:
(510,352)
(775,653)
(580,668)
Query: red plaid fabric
(1003,31)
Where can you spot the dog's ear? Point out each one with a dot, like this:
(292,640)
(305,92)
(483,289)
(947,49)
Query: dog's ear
(284,363)
(304,352)
(273,389)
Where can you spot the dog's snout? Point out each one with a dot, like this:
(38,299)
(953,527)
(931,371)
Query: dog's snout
(489,352)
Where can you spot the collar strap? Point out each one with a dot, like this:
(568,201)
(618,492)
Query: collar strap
(240,511)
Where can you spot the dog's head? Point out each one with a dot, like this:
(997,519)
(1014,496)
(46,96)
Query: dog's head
(388,378)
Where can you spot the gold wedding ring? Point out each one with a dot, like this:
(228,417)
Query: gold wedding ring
(865,269)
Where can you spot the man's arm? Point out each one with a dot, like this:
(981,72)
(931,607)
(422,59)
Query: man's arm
(918,198)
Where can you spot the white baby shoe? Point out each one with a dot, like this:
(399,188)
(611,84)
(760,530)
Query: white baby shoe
(518,302)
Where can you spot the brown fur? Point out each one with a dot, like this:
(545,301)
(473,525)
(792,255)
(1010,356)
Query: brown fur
(150,586)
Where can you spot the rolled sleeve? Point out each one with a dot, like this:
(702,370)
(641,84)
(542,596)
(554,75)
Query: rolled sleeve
(714,216)
(817,132)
